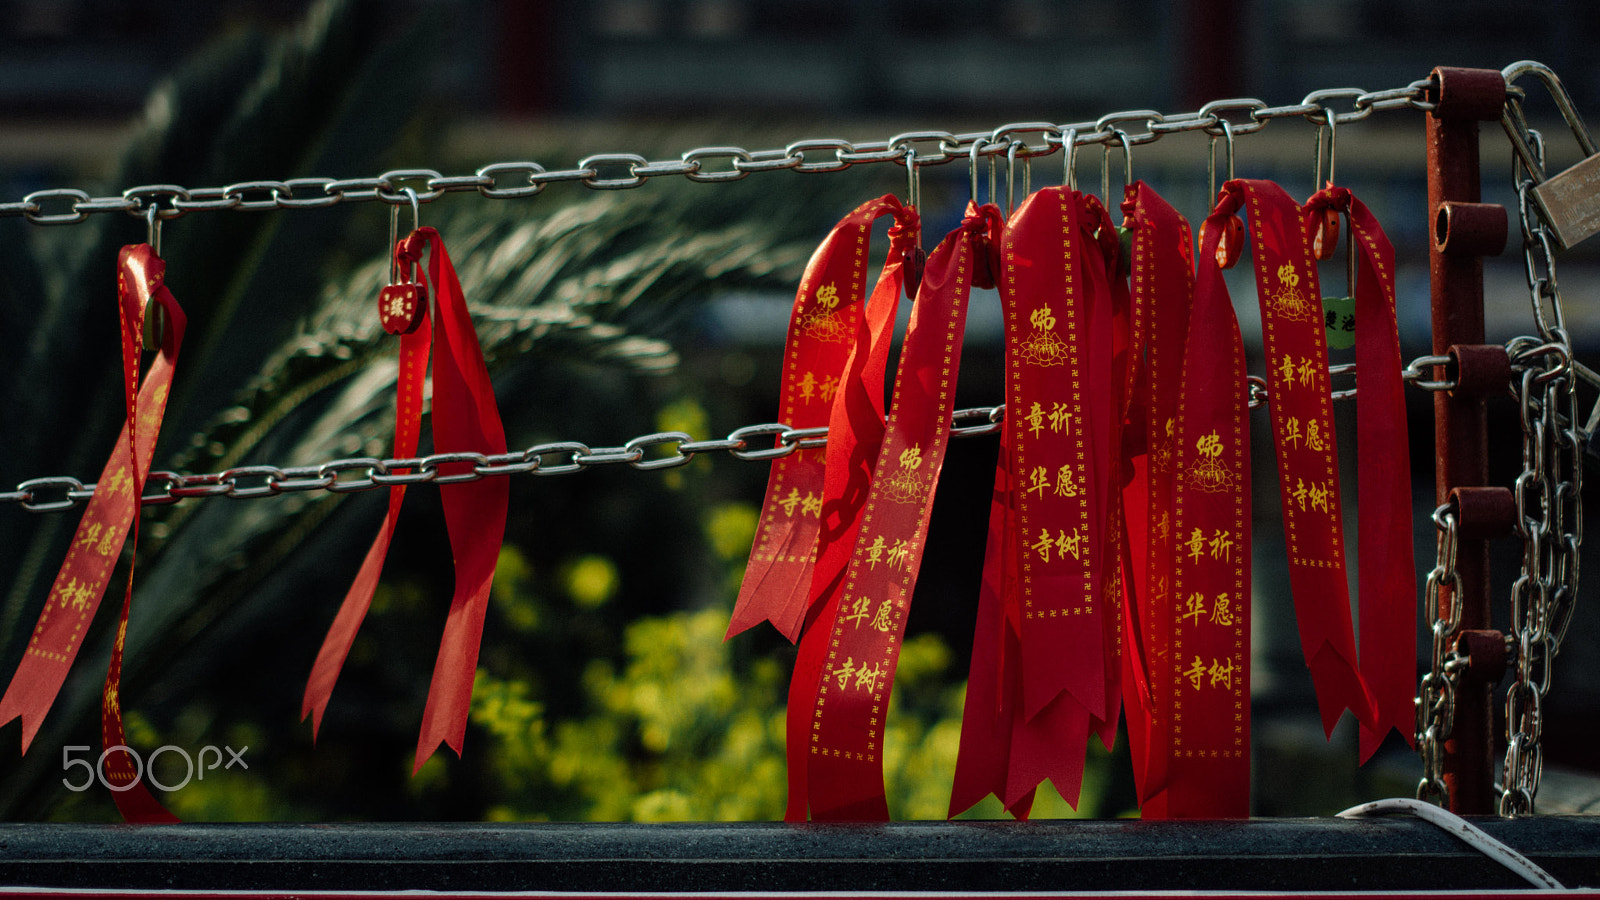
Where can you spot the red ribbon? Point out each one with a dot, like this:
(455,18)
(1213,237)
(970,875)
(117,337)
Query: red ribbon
(863,623)
(1208,666)
(1162,274)
(1387,569)
(828,348)
(1302,428)
(1044,665)
(855,434)
(107,520)
(465,420)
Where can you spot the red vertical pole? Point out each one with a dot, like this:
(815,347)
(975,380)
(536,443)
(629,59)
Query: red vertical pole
(1464,97)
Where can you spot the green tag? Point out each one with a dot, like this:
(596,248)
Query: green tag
(1339,315)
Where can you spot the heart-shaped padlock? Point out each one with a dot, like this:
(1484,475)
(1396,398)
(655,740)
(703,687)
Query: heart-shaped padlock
(400,306)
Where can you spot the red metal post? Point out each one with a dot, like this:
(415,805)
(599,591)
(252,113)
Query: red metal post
(1464,98)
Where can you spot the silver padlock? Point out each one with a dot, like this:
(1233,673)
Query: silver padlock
(1569,202)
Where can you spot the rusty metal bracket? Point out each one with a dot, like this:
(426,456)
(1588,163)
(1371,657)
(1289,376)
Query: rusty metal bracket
(1463,97)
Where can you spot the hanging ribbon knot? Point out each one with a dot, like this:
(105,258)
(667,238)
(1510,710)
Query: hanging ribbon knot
(834,363)
(844,674)
(465,419)
(112,513)
(1387,568)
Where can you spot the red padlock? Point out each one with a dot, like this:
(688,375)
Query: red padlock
(400,306)
(1325,234)
(1231,243)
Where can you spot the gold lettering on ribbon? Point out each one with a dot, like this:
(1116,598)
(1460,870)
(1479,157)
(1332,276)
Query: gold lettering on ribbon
(1292,302)
(1043,347)
(809,504)
(1209,473)
(906,486)
(822,321)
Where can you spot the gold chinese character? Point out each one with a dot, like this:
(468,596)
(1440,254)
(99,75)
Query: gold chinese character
(110,542)
(1307,371)
(790,501)
(1286,371)
(1221,672)
(1222,610)
(843,673)
(859,609)
(1164,526)
(875,552)
(1299,493)
(1319,497)
(1038,480)
(118,479)
(867,678)
(1287,275)
(1043,545)
(1065,486)
(90,536)
(1195,671)
(808,386)
(1314,435)
(1221,546)
(1209,446)
(828,296)
(1042,319)
(898,554)
(1196,544)
(828,388)
(66,593)
(1194,607)
(1069,543)
(811,504)
(1035,419)
(911,458)
(1291,432)
(880,620)
(1059,419)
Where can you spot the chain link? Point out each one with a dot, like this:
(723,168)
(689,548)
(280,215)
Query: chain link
(660,450)
(1548,492)
(620,171)
(673,448)
(1436,693)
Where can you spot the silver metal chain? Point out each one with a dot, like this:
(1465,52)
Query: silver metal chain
(1549,503)
(617,171)
(1436,694)
(659,450)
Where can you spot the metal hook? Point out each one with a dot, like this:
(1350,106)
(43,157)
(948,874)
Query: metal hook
(394,230)
(152,223)
(1011,171)
(1227,136)
(155,315)
(979,148)
(913,179)
(1105,164)
(1069,165)
(1333,147)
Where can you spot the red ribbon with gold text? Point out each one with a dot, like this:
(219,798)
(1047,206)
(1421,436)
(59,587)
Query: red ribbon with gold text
(1045,638)
(467,421)
(1296,346)
(1162,275)
(96,545)
(1207,670)
(864,622)
(827,331)
(1386,571)
(855,434)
